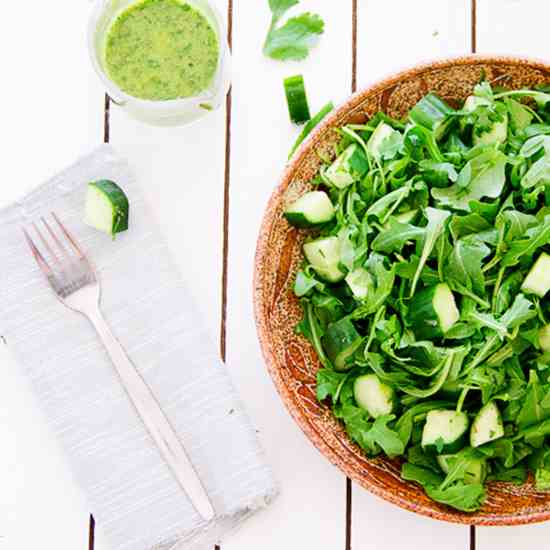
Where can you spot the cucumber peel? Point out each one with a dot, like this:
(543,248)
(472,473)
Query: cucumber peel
(107,207)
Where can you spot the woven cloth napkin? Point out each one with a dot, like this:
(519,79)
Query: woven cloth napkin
(133,495)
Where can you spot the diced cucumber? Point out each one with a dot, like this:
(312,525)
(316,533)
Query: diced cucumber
(433,113)
(340,342)
(475,471)
(495,136)
(324,256)
(381,133)
(359,281)
(311,209)
(487,425)
(107,207)
(433,311)
(349,167)
(538,279)
(296,99)
(373,395)
(445,432)
(544,338)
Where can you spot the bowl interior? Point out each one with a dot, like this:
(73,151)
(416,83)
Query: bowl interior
(291,360)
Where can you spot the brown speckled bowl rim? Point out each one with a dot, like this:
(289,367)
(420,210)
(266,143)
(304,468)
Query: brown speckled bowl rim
(261,321)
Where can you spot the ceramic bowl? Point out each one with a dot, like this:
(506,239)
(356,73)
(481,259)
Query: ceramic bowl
(291,360)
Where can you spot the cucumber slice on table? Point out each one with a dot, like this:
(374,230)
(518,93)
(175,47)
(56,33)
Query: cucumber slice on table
(374,396)
(296,99)
(433,113)
(433,311)
(107,207)
(445,432)
(349,166)
(538,279)
(340,342)
(544,338)
(309,210)
(487,425)
(474,472)
(324,256)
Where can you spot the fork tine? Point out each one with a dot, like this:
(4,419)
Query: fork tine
(70,238)
(42,263)
(58,242)
(47,245)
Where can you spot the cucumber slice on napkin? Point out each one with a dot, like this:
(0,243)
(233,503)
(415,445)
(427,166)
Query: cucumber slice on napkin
(107,207)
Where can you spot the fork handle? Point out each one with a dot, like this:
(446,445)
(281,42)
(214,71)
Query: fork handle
(154,419)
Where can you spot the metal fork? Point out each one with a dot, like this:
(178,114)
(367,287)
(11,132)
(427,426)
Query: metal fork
(76,284)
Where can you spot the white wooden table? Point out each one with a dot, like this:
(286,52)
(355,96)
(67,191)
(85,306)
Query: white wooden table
(208,186)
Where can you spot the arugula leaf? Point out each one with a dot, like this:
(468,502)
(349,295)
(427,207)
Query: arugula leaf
(534,238)
(464,265)
(461,226)
(328,383)
(436,223)
(483,176)
(462,496)
(534,409)
(396,236)
(387,439)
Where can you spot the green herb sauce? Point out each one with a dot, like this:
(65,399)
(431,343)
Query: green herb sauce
(161,49)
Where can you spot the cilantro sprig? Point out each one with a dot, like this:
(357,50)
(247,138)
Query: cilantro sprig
(293,39)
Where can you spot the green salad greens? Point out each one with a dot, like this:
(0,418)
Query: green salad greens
(424,289)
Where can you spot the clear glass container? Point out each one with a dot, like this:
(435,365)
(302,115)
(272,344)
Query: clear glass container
(173,112)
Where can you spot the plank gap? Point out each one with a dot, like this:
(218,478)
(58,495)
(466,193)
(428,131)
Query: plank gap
(227,180)
(348,514)
(473,47)
(353,90)
(474,26)
(91,534)
(107,119)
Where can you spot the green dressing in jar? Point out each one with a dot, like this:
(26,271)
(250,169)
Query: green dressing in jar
(161,50)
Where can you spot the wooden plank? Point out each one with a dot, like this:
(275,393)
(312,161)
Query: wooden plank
(393,35)
(513,28)
(52,114)
(310,512)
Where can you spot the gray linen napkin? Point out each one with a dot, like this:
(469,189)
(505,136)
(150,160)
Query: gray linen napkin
(132,493)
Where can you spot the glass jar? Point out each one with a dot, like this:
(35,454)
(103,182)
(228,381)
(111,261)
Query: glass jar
(174,112)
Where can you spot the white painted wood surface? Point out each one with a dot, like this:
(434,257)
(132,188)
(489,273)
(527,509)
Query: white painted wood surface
(53,112)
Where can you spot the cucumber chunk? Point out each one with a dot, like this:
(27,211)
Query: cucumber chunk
(433,113)
(475,471)
(107,207)
(359,281)
(433,311)
(538,279)
(381,133)
(445,432)
(497,134)
(295,91)
(487,425)
(544,338)
(340,342)
(373,395)
(324,256)
(349,167)
(311,209)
